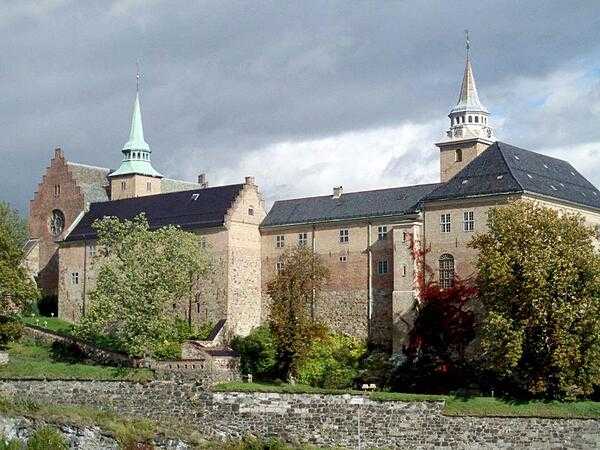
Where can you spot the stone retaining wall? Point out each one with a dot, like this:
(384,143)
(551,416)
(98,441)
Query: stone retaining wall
(323,420)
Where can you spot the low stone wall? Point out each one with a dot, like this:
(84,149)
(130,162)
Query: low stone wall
(323,420)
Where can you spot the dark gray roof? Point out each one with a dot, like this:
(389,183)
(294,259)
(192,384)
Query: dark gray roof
(91,180)
(200,208)
(503,168)
(381,202)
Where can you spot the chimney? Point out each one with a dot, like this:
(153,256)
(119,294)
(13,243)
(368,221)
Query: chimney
(338,191)
(250,181)
(202,181)
(58,153)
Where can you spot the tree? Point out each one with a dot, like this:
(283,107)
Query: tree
(539,284)
(144,276)
(17,290)
(293,291)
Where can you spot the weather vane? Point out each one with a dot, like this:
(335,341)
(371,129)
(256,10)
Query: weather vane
(137,76)
(467,41)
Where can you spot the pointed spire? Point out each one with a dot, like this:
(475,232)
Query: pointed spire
(468,98)
(136,134)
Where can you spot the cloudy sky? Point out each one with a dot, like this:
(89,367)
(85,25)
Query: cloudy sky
(302,95)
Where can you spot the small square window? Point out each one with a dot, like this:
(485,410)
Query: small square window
(302,239)
(382,267)
(251,211)
(279,266)
(280,241)
(468,221)
(445,223)
(382,232)
(343,258)
(344,235)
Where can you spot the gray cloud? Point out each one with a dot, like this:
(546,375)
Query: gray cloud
(223,80)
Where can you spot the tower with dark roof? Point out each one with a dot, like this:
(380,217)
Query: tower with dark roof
(470,132)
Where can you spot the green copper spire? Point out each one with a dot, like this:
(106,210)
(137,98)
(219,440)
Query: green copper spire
(136,134)
(136,151)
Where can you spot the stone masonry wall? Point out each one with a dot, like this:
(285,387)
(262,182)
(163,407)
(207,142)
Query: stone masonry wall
(323,420)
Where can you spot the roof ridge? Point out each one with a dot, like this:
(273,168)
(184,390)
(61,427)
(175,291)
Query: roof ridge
(89,166)
(358,192)
(498,145)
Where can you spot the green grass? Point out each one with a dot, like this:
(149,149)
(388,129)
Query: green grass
(454,406)
(55,324)
(29,360)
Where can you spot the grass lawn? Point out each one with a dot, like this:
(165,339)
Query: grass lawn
(454,406)
(50,323)
(29,360)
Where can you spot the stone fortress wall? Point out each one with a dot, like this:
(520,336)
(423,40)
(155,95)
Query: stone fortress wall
(346,421)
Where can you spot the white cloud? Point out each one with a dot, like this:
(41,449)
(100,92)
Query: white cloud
(368,159)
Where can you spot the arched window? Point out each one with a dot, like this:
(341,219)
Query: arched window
(446,271)
(56,222)
(476,119)
(470,119)
(458,155)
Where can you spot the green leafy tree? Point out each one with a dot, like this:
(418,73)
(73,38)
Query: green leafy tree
(539,284)
(293,291)
(258,352)
(17,290)
(143,274)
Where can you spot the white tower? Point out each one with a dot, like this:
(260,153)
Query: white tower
(470,132)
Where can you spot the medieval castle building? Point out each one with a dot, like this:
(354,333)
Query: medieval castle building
(361,236)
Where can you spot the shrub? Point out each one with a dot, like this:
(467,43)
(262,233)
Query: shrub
(375,369)
(11,329)
(47,438)
(332,362)
(258,352)
(67,351)
(13,444)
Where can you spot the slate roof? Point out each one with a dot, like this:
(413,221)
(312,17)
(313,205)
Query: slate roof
(168,185)
(381,202)
(92,181)
(503,168)
(200,208)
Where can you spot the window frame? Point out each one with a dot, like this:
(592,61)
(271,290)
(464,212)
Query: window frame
(468,221)
(445,223)
(344,235)
(382,232)
(302,239)
(383,267)
(280,241)
(446,271)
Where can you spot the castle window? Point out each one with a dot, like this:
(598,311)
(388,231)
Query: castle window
(92,250)
(280,241)
(56,190)
(445,223)
(403,270)
(74,278)
(382,232)
(279,266)
(382,267)
(251,211)
(343,258)
(458,155)
(148,186)
(468,221)
(344,235)
(476,119)
(470,119)
(57,222)
(123,185)
(446,271)
(302,239)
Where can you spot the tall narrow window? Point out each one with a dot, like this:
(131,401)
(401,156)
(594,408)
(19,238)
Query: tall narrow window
(279,266)
(92,250)
(382,267)
(148,186)
(458,155)
(445,223)
(382,232)
(446,271)
(476,119)
(468,221)
(470,119)
(123,185)
(75,278)
(302,239)
(344,235)
(57,190)
(280,241)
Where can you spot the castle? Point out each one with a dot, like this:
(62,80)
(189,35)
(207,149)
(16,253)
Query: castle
(363,237)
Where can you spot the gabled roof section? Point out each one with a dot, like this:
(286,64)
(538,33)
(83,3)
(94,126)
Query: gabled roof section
(504,168)
(91,180)
(377,203)
(200,208)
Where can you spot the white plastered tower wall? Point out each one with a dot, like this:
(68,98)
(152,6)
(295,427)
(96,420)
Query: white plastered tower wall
(470,133)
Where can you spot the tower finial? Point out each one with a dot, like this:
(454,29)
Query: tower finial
(137,76)
(467,43)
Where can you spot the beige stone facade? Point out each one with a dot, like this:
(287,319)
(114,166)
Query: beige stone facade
(128,186)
